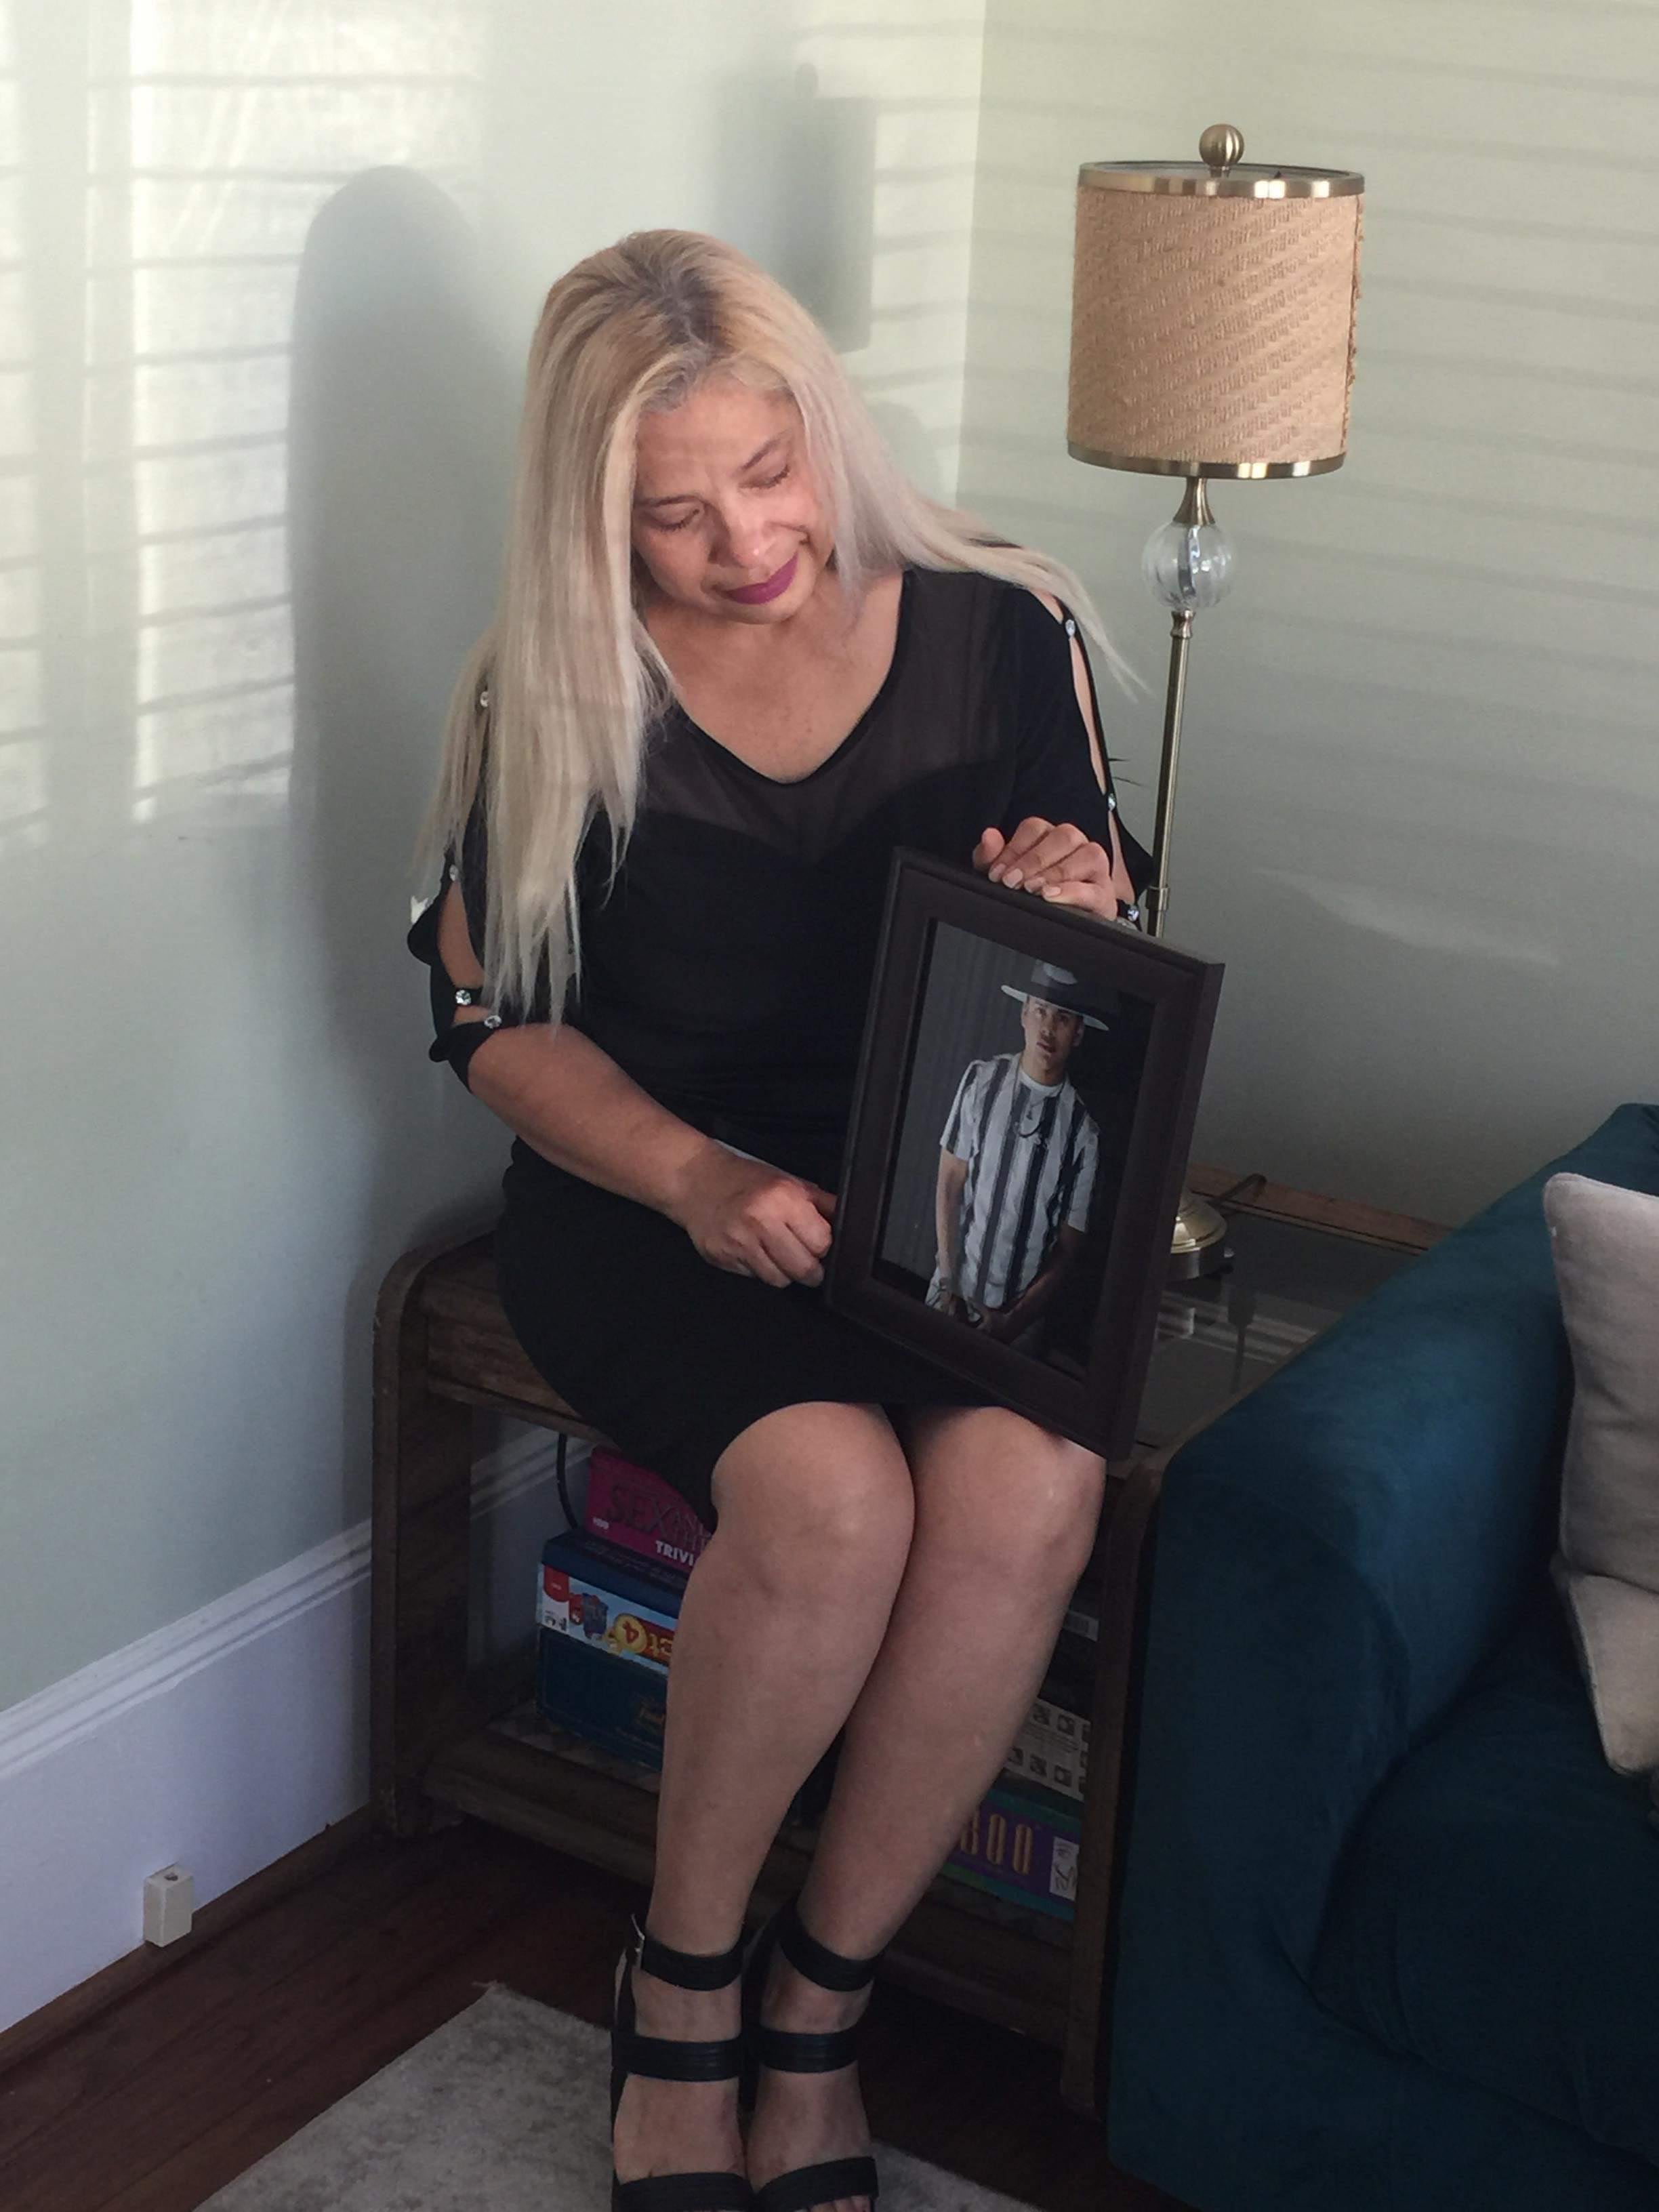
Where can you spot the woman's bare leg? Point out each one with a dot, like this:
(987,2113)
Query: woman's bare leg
(1006,1516)
(781,1619)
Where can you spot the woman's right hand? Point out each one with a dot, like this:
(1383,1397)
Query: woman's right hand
(753,1220)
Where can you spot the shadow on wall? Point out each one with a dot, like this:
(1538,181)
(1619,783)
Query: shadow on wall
(401,438)
(813,225)
(400,448)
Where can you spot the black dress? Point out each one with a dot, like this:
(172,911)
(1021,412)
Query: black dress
(727,971)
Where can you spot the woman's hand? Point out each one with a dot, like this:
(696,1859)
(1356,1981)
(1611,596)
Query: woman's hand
(753,1220)
(1055,862)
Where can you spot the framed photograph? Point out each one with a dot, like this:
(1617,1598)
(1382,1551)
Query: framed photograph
(1025,1107)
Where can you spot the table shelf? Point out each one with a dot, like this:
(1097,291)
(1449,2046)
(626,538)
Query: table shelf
(969,1949)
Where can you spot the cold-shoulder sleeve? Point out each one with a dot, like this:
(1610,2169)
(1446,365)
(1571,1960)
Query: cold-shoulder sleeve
(1054,772)
(454,1040)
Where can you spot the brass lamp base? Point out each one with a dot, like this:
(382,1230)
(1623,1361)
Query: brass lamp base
(1199,1246)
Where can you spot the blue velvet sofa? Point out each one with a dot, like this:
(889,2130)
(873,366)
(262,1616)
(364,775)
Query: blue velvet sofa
(1389,1936)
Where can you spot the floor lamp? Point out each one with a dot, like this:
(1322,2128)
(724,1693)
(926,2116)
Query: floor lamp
(1213,322)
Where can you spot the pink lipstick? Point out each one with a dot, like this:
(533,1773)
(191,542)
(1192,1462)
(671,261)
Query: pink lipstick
(756,595)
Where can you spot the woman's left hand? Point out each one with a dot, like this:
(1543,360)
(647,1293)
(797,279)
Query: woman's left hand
(1054,861)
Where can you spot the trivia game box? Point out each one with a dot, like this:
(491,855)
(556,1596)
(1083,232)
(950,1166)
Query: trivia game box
(629,1506)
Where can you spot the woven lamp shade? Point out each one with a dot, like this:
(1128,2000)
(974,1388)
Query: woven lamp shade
(1212,318)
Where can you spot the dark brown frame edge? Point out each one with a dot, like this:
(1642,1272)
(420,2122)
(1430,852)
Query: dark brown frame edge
(1099,1410)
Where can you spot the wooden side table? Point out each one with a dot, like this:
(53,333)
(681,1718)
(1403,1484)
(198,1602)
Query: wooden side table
(444,1736)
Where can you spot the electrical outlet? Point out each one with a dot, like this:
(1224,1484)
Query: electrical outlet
(170,1905)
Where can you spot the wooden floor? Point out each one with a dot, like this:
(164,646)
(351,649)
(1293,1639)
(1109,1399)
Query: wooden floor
(180,2085)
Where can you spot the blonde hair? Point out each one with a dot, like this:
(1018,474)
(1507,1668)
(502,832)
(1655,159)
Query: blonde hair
(571,677)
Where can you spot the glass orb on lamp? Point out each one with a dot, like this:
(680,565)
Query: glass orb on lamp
(1189,566)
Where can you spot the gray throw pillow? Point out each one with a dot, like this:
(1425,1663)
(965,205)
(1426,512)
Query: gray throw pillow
(1606,1242)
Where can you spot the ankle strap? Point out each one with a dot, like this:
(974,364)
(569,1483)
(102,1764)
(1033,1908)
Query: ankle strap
(829,1969)
(687,1970)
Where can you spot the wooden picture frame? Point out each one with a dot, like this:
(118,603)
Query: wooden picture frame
(1054,1320)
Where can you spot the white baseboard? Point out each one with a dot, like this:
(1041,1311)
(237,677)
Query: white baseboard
(222,1742)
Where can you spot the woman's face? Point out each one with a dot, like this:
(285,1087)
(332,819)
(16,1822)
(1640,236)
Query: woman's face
(727,514)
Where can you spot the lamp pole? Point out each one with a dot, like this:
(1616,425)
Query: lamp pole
(1156,897)
(1189,565)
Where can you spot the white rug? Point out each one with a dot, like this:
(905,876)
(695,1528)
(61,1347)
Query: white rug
(504,2109)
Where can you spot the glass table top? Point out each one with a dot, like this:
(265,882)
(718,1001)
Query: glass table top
(1218,1336)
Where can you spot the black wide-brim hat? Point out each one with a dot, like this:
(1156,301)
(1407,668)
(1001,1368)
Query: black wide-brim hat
(1059,988)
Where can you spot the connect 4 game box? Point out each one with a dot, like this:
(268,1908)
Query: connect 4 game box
(604,1599)
(605,1623)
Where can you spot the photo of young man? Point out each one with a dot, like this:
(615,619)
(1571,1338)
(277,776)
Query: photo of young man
(1016,1167)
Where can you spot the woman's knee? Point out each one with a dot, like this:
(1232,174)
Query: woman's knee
(1007,1496)
(816,1496)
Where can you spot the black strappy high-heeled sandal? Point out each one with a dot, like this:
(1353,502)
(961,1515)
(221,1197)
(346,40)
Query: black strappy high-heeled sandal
(789,2053)
(663,2060)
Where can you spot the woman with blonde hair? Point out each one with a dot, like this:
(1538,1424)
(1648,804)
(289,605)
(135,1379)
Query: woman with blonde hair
(738,658)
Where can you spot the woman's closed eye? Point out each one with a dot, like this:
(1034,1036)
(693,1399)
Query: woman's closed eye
(762,483)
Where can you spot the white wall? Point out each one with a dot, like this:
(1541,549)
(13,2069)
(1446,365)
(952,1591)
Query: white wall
(266,278)
(224,1740)
(1419,802)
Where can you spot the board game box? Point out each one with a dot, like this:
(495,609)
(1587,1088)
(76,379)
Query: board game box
(605,1621)
(614,1703)
(1052,1749)
(609,1600)
(629,1506)
(1021,1844)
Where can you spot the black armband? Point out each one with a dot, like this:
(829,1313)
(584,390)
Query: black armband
(458,1043)
(452,1040)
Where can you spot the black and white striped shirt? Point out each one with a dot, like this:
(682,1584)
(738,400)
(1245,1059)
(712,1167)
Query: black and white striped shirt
(1031,1152)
